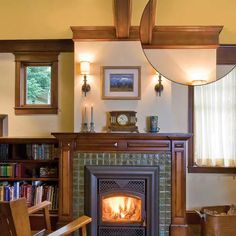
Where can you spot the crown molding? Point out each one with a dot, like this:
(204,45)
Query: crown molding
(102,33)
(164,37)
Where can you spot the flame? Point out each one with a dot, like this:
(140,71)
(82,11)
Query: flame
(121,208)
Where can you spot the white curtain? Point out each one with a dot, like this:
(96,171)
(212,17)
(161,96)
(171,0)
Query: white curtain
(215,123)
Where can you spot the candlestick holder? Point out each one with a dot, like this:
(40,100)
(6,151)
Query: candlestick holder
(91,128)
(85,128)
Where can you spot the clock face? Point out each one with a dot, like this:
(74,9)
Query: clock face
(122,119)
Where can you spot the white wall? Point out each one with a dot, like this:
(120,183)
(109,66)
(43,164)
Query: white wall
(37,125)
(171,107)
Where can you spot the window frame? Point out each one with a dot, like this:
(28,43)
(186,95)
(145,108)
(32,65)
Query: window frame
(22,60)
(191,167)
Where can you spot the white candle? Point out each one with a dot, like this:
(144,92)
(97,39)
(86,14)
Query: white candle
(85,114)
(91,114)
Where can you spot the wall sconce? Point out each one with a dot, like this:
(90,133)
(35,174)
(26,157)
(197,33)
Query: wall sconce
(159,87)
(84,70)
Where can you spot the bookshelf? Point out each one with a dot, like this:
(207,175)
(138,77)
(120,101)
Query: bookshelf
(29,167)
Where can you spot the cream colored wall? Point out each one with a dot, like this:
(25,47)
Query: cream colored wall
(37,125)
(171,107)
(210,189)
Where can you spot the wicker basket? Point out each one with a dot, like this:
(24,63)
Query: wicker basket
(218,225)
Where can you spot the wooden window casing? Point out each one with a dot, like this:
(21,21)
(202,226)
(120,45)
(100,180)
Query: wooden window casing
(23,60)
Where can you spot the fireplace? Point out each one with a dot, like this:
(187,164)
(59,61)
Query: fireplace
(168,151)
(122,200)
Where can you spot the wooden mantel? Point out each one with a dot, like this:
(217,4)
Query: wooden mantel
(176,144)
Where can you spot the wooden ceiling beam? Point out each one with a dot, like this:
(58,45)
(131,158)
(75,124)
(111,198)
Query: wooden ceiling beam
(148,22)
(122,17)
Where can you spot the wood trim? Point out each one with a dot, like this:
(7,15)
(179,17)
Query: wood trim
(193,218)
(102,33)
(66,150)
(24,59)
(162,36)
(122,17)
(36,45)
(148,22)
(223,170)
(35,110)
(37,57)
(190,124)
(178,208)
(226,54)
(94,33)
(184,37)
(2,117)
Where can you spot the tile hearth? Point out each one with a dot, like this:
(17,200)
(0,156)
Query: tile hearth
(161,159)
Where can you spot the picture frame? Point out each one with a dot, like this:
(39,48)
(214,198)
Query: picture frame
(121,82)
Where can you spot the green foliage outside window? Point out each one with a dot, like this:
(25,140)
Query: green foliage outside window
(38,84)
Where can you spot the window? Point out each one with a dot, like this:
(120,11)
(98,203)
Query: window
(214,126)
(36,84)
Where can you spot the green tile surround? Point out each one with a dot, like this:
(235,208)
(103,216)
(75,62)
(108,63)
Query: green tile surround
(162,159)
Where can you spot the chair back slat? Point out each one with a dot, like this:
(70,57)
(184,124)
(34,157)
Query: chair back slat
(6,221)
(20,217)
(14,218)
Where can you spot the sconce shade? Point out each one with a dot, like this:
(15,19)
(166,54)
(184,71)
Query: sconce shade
(84,67)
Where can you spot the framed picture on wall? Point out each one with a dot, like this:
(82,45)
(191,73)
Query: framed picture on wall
(121,82)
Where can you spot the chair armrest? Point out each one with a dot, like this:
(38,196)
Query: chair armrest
(38,207)
(72,226)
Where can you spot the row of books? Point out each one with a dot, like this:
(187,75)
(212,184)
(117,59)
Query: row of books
(34,193)
(4,149)
(10,170)
(40,151)
(33,152)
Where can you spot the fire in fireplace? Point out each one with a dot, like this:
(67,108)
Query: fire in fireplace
(122,200)
(121,208)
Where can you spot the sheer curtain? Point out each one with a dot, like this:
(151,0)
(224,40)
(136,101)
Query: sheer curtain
(215,123)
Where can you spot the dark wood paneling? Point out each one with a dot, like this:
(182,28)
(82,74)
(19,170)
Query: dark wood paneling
(226,54)
(37,45)
(37,222)
(193,218)
(122,17)
(2,117)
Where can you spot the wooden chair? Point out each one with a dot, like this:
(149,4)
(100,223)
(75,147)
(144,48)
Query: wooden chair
(14,220)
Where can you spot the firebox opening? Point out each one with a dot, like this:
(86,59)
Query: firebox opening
(121,208)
